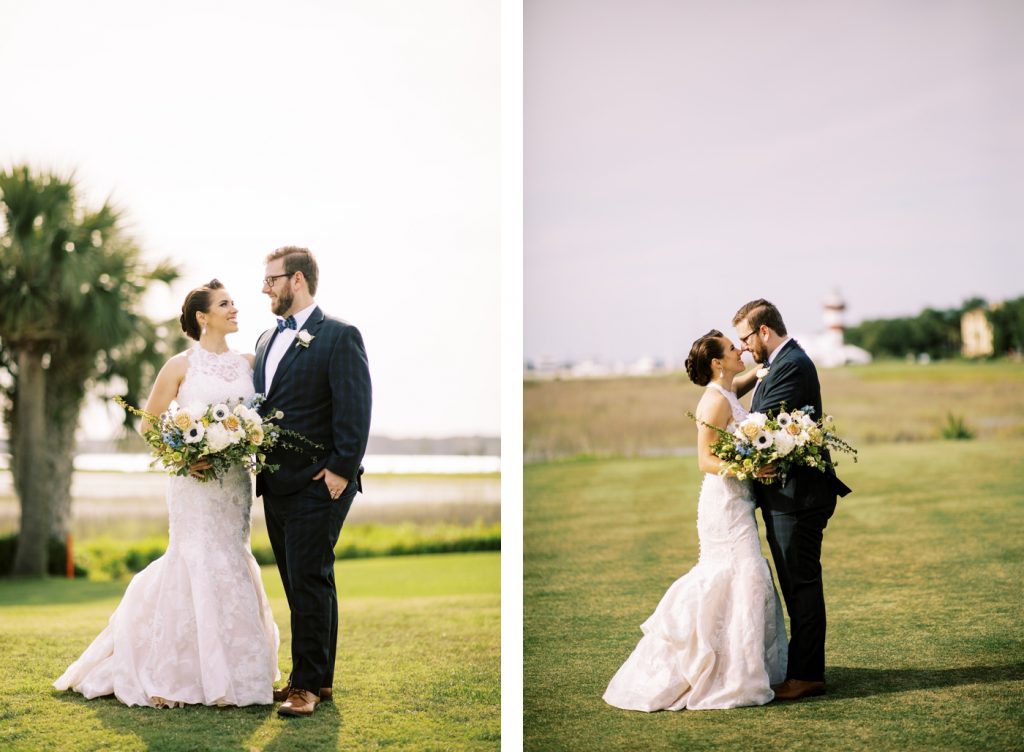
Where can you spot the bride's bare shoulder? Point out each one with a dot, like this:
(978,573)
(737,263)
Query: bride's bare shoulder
(712,407)
(250,358)
(175,368)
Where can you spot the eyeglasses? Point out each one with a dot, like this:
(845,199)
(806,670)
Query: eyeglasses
(744,339)
(269,281)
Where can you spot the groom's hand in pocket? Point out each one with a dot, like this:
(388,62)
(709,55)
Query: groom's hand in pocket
(336,484)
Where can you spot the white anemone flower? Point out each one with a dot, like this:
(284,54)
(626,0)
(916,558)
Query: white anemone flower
(220,412)
(763,440)
(194,433)
(784,419)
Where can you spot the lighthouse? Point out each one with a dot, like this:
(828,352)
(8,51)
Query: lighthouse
(827,348)
(834,309)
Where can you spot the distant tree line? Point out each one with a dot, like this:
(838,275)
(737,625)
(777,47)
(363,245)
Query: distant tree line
(937,332)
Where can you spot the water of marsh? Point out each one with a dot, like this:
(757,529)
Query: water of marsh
(129,506)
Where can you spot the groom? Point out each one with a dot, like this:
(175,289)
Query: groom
(796,513)
(313,368)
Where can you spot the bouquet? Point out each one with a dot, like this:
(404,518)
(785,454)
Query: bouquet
(224,434)
(785,440)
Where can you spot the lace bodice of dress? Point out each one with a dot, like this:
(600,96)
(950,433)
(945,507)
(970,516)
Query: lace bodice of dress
(215,377)
(739,413)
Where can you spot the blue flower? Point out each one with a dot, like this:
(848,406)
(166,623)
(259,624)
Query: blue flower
(808,409)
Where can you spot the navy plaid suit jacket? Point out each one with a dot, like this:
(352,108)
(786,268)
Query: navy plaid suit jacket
(792,381)
(324,392)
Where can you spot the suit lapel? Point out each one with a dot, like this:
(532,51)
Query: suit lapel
(260,367)
(312,325)
(763,384)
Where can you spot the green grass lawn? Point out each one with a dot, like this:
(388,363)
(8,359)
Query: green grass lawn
(418,667)
(923,569)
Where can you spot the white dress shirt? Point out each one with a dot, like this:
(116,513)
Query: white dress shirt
(771,357)
(281,343)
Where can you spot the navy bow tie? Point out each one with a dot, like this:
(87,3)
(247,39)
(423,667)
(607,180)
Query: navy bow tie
(288,323)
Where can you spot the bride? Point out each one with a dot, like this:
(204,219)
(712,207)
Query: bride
(717,638)
(195,625)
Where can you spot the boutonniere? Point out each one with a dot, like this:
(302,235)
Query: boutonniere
(762,372)
(304,338)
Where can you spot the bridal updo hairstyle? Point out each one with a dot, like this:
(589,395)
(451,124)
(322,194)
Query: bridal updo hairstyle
(197,300)
(704,350)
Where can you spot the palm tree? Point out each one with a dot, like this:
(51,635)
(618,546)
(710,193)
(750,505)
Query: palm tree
(71,283)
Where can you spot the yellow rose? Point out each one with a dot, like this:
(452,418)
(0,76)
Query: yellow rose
(793,429)
(232,423)
(816,435)
(750,430)
(182,420)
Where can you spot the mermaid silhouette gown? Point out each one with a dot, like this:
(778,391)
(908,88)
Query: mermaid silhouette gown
(718,638)
(194,627)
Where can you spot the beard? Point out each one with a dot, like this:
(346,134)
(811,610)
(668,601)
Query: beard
(283,302)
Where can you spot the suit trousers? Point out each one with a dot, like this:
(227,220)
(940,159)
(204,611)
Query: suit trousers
(795,541)
(304,528)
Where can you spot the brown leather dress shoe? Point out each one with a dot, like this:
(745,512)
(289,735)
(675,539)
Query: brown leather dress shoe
(280,695)
(797,689)
(299,702)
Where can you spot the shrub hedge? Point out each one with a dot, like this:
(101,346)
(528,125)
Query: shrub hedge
(109,558)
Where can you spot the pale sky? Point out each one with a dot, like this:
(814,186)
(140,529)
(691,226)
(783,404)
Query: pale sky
(366,130)
(682,158)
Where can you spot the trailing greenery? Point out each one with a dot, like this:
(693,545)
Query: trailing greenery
(418,667)
(108,558)
(922,568)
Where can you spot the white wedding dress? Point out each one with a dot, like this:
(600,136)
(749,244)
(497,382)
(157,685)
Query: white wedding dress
(195,625)
(718,638)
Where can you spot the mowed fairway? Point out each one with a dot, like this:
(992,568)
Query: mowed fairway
(418,667)
(923,570)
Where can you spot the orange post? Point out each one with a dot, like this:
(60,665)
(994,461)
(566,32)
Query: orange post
(69,559)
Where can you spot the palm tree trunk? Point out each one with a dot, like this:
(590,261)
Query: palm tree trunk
(61,459)
(30,456)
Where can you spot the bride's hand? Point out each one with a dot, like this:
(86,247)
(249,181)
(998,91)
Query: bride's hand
(768,471)
(198,469)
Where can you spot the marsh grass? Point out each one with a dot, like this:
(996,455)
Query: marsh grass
(923,565)
(418,667)
(882,402)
